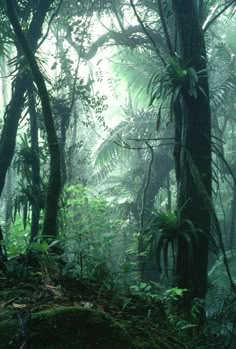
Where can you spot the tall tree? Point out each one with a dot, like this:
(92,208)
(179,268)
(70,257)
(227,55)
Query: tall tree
(186,81)
(194,178)
(54,183)
(14,108)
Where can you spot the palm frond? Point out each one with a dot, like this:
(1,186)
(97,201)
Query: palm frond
(220,93)
(135,69)
(138,126)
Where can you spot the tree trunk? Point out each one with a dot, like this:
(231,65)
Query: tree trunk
(35,165)
(231,242)
(54,183)
(14,108)
(194,163)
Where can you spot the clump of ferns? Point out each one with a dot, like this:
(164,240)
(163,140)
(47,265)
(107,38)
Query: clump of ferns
(175,79)
(164,231)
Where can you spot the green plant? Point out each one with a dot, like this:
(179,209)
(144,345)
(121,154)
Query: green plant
(175,79)
(147,291)
(17,239)
(162,235)
(90,236)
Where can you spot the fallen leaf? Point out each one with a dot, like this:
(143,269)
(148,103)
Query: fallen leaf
(19,306)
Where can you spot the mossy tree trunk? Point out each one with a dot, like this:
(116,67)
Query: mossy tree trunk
(54,183)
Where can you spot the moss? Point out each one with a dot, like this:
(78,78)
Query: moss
(66,327)
(9,331)
(59,326)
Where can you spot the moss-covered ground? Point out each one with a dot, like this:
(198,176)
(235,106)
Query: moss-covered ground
(47,311)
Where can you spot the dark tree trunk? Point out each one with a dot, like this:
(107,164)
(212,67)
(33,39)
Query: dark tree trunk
(231,242)
(159,172)
(194,162)
(35,165)
(54,183)
(161,166)
(14,108)
(3,256)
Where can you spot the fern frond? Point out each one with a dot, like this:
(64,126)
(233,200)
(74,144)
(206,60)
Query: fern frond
(220,93)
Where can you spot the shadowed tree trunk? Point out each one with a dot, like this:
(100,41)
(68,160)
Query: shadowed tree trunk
(160,166)
(54,183)
(231,239)
(35,164)
(14,108)
(194,156)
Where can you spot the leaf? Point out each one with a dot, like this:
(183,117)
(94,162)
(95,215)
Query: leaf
(203,92)
(42,246)
(192,92)
(19,306)
(193,75)
(189,246)
(158,122)
(87,305)
(142,285)
(187,326)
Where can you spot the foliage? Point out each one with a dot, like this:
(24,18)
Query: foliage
(17,239)
(91,237)
(134,68)
(99,235)
(23,196)
(6,36)
(219,94)
(175,79)
(153,291)
(161,237)
(120,160)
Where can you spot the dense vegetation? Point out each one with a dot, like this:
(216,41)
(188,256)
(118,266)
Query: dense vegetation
(117,174)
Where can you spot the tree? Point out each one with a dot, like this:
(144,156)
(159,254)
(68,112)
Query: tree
(54,183)
(194,180)
(35,162)
(14,109)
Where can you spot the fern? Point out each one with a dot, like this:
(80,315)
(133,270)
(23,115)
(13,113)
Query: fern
(135,69)
(219,94)
(117,149)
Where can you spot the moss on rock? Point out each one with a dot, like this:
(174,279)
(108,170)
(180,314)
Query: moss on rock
(64,327)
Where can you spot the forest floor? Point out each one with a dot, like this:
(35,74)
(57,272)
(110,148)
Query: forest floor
(39,309)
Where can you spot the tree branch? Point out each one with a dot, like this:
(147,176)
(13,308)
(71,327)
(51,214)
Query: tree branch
(147,33)
(165,29)
(123,38)
(147,182)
